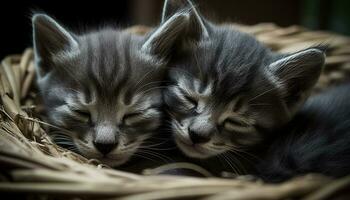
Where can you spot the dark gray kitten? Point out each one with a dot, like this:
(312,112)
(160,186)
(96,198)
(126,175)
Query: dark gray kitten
(102,88)
(315,141)
(227,90)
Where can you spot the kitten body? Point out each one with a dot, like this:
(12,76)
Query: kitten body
(315,141)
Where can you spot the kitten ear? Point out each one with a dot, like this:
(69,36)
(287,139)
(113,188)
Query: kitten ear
(196,28)
(50,38)
(163,38)
(296,74)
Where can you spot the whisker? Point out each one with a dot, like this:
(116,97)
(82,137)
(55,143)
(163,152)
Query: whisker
(152,144)
(262,93)
(157,155)
(262,104)
(144,157)
(151,83)
(228,162)
(237,151)
(154,88)
(238,162)
(144,76)
(185,71)
(61,88)
(158,149)
(44,123)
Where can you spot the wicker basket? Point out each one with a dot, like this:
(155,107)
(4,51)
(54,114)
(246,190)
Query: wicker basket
(34,167)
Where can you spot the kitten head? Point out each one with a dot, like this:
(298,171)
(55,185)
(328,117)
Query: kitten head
(102,89)
(227,90)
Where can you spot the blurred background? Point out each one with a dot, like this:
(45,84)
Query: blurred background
(332,15)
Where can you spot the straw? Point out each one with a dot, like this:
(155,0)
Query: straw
(31,164)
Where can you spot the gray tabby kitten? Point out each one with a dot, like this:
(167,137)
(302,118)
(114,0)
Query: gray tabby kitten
(102,88)
(227,90)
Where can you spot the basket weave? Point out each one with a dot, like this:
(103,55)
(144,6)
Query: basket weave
(34,166)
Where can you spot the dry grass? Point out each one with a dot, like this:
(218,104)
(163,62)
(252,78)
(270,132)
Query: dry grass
(37,168)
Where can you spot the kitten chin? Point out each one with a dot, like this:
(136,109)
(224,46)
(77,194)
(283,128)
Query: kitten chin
(116,157)
(194,151)
(114,162)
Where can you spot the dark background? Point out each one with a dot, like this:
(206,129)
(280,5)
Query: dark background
(333,15)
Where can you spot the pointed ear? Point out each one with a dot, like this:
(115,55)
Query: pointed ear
(296,74)
(197,27)
(162,39)
(50,38)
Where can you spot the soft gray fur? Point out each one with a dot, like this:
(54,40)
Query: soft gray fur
(102,89)
(227,90)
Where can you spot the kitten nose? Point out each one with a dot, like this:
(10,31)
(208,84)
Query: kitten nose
(104,147)
(105,138)
(198,138)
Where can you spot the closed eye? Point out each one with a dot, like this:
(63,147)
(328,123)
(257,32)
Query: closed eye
(179,100)
(129,118)
(235,122)
(148,119)
(82,115)
(191,100)
(131,115)
(238,126)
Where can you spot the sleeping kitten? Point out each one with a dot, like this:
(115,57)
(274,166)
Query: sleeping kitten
(229,94)
(317,140)
(102,88)
(227,90)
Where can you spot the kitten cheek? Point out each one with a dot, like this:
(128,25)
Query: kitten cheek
(246,140)
(83,120)
(86,150)
(241,129)
(83,140)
